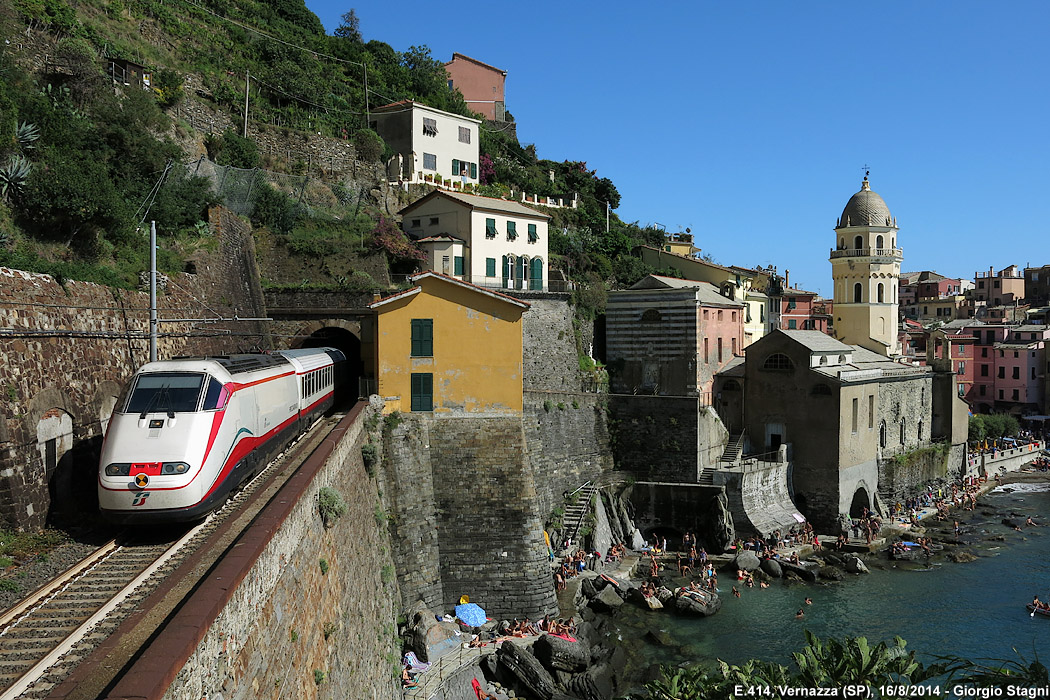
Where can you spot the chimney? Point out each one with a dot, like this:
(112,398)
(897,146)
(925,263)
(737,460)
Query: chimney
(787,279)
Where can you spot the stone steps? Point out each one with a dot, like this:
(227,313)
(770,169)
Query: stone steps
(733,448)
(577,510)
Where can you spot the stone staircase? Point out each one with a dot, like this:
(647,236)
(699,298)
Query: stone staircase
(707,476)
(733,448)
(576,511)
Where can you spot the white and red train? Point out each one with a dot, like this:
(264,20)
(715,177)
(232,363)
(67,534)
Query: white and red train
(188,431)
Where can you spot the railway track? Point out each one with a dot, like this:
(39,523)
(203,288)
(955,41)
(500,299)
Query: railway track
(46,635)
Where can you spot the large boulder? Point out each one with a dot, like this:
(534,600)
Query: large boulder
(526,669)
(746,560)
(771,567)
(802,571)
(832,573)
(961,557)
(560,654)
(607,600)
(855,565)
(594,684)
(429,638)
(690,605)
(664,595)
(637,541)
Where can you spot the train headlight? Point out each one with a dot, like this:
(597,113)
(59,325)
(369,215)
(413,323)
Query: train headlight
(118,469)
(174,468)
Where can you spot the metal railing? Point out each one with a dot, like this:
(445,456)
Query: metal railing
(503,285)
(868,252)
(440,671)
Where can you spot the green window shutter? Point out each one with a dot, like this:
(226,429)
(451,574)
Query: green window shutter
(533,236)
(422,392)
(512,230)
(474,171)
(457,265)
(490,228)
(422,337)
(455,167)
(536,274)
(490,267)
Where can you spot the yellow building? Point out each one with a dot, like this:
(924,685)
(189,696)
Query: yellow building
(449,347)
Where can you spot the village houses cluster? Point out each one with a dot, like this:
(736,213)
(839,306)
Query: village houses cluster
(893,361)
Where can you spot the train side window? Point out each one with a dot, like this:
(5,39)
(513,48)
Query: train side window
(216,396)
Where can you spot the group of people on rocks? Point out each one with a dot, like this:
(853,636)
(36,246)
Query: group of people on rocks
(573,564)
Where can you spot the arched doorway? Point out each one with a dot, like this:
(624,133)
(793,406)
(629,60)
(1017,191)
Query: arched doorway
(350,345)
(861,501)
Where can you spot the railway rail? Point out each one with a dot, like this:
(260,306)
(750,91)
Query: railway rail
(46,635)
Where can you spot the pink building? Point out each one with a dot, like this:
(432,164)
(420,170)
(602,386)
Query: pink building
(987,336)
(482,85)
(953,349)
(800,311)
(1019,370)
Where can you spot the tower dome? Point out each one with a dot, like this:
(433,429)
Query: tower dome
(866,208)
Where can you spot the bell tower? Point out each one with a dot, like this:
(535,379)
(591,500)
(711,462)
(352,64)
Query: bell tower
(865,268)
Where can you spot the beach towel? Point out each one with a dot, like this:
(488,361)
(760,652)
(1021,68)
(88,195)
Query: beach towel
(566,637)
(477,687)
(412,660)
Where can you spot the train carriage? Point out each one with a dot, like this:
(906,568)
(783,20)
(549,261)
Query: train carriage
(186,432)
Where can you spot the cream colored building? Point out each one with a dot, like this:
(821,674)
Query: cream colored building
(482,240)
(430,143)
(865,268)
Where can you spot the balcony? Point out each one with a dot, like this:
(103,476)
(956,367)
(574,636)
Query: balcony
(895,253)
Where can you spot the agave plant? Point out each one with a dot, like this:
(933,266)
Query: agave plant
(26,135)
(14,174)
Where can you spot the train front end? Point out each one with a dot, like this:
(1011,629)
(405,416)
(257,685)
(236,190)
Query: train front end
(158,460)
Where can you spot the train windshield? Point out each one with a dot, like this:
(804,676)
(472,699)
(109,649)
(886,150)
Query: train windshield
(166,392)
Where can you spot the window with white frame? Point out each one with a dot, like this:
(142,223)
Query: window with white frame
(430,127)
(430,161)
(464,134)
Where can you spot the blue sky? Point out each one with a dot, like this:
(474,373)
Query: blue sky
(750,122)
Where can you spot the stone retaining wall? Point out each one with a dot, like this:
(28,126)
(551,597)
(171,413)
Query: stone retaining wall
(655,437)
(466,518)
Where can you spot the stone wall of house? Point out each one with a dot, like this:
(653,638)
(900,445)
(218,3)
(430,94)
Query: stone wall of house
(291,617)
(67,349)
(656,438)
(551,360)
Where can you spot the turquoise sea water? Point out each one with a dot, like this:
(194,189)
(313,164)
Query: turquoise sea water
(974,610)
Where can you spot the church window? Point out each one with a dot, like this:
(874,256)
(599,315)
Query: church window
(882,434)
(878,241)
(871,411)
(881,292)
(651,316)
(920,431)
(855,412)
(777,361)
(903,421)
(858,291)
(858,242)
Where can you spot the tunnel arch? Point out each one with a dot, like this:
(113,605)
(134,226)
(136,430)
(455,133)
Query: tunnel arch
(345,337)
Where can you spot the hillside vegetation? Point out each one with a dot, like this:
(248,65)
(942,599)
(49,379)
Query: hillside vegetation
(83,165)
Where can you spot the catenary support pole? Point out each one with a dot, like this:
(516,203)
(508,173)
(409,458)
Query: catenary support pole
(153,291)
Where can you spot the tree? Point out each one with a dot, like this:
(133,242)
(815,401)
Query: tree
(350,29)
(369,145)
